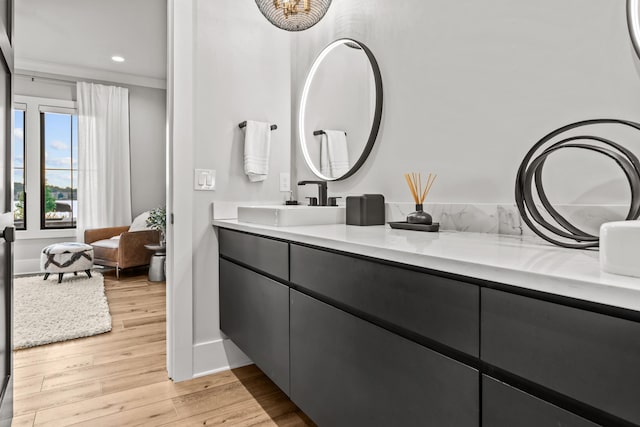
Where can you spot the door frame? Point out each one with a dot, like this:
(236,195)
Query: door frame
(7,57)
(179,264)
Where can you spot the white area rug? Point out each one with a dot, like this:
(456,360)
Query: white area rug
(46,312)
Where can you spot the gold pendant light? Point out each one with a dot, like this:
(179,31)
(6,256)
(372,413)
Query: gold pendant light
(293,15)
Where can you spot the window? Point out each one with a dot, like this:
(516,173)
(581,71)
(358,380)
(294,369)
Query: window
(19,192)
(59,166)
(45,167)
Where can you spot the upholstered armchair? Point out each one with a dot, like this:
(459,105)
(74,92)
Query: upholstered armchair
(120,248)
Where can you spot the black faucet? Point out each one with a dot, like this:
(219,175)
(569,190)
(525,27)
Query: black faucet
(322,190)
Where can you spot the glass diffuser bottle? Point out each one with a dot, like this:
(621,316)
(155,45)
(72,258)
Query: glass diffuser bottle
(419,194)
(419,216)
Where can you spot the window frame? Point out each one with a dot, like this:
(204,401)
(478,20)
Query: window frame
(43,110)
(20,106)
(32,154)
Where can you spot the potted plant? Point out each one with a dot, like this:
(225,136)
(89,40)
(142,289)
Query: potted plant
(158,221)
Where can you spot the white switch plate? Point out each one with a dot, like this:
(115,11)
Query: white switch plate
(285,181)
(204,179)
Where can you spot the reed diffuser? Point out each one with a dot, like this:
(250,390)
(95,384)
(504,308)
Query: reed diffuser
(419,193)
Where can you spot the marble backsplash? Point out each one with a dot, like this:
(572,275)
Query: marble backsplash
(471,217)
(505,218)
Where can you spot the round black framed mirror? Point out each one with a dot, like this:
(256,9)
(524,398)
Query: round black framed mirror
(633,22)
(340,110)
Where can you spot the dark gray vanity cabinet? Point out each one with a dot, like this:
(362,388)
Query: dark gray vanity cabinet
(360,341)
(346,371)
(254,313)
(437,308)
(505,406)
(590,357)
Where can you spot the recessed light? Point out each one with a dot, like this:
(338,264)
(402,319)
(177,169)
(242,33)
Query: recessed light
(117,58)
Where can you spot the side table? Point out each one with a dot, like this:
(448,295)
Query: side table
(156,268)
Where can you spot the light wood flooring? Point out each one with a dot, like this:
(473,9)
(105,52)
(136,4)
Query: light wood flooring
(120,379)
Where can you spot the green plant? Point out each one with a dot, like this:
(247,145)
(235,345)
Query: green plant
(49,200)
(157,219)
(19,210)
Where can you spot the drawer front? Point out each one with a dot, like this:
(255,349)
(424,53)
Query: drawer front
(437,308)
(254,313)
(348,372)
(587,356)
(270,256)
(505,406)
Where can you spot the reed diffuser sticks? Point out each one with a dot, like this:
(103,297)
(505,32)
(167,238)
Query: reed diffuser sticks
(414,181)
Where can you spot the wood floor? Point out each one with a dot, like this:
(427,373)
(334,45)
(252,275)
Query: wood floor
(120,379)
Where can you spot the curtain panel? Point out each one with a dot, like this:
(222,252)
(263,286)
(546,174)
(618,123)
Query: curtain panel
(104,176)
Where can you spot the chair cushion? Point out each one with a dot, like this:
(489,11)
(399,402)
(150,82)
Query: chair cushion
(106,249)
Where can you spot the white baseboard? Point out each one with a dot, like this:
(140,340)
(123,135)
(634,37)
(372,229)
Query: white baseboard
(216,356)
(26,266)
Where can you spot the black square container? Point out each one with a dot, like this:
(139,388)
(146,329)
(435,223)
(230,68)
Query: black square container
(367,209)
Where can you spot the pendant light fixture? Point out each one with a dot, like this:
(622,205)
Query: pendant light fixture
(293,15)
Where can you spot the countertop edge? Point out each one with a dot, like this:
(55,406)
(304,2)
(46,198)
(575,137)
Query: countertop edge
(590,291)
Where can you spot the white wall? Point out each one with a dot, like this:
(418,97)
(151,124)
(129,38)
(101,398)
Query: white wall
(148,164)
(148,134)
(240,70)
(470,86)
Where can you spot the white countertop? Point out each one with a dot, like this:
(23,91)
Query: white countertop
(518,261)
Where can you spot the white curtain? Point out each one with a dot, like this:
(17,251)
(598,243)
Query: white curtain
(104,178)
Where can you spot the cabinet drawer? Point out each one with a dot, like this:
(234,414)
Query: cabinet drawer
(587,356)
(254,313)
(348,372)
(437,308)
(505,406)
(270,256)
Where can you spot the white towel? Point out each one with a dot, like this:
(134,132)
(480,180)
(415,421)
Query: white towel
(257,145)
(325,167)
(336,154)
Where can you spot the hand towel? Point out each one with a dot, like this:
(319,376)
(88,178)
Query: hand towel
(257,145)
(338,152)
(325,167)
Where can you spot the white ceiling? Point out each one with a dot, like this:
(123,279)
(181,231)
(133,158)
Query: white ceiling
(55,36)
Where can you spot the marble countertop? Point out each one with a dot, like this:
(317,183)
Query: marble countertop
(512,260)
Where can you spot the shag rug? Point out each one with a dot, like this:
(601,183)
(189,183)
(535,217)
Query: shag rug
(46,312)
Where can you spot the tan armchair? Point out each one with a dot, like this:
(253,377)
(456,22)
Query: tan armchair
(126,252)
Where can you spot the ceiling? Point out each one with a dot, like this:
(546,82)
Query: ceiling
(60,36)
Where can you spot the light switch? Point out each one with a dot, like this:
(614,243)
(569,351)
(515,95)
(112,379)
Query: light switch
(204,179)
(285,181)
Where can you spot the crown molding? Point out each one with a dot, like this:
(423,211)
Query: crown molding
(25,65)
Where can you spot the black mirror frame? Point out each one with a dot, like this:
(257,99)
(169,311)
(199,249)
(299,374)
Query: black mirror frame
(633,24)
(377,117)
